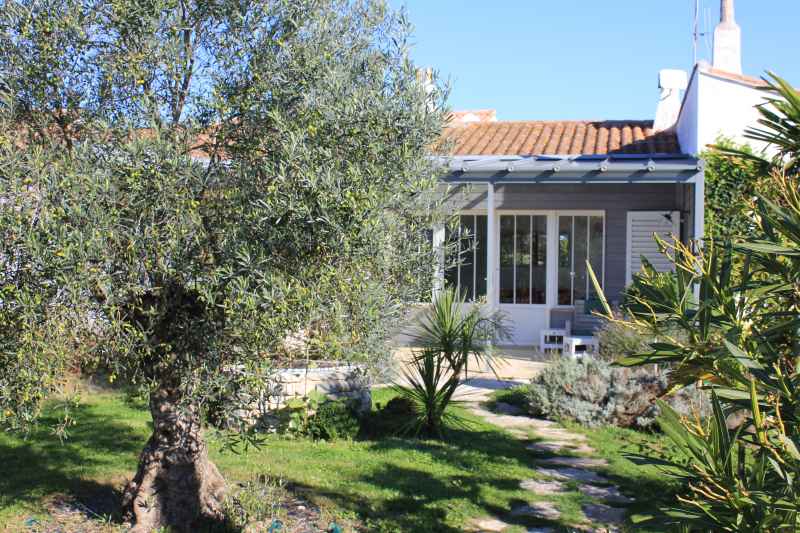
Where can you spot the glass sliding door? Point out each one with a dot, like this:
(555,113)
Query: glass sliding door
(507,258)
(564,260)
(523,259)
(580,238)
(468,271)
(597,249)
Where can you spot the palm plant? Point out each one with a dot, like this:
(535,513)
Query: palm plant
(449,333)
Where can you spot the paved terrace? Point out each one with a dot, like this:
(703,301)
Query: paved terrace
(512,366)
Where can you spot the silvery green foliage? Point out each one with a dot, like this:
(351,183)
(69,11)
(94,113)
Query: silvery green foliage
(592,392)
(201,180)
(571,389)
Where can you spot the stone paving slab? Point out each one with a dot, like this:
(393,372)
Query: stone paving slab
(545,510)
(609,494)
(559,434)
(543,488)
(487,525)
(504,421)
(603,514)
(556,447)
(572,474)
(541,423)
(576,462)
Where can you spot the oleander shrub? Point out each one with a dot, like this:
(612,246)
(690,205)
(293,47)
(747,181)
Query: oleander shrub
(617,340)
(594,392)
(739,338)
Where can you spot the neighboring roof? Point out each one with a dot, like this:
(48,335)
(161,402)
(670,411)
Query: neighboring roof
(533,137)
(741,78)
(473,115)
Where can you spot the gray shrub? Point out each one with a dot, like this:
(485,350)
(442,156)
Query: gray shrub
(593,392)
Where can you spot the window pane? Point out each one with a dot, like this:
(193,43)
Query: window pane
(466,281)
(450,260)
(580,255)
(539,260)
(523,263)
(507,259)
(565,260)
(480,257)
(596,250)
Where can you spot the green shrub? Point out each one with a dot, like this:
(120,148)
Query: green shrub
(592,392)
(334,420)
(258,500)
(516,396)
(396,418)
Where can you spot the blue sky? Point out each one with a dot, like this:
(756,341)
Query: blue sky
(583,59)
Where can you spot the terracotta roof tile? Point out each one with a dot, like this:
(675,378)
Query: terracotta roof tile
(559,138)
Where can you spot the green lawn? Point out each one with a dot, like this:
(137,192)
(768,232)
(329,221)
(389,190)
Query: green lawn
(391,484)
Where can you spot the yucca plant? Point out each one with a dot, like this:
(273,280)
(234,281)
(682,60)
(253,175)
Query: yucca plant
(741,339)
(448,334)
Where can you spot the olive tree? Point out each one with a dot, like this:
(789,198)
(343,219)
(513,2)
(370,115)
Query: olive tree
(188,182)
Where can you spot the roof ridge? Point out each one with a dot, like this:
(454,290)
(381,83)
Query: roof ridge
(551,121)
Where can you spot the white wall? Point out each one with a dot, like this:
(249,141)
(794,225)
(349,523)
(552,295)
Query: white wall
(686,128)
(727,108)
(715,106)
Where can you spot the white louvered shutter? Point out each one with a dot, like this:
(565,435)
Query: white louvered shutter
(641,227)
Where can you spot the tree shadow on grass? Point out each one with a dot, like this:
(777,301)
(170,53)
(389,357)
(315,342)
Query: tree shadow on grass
(421,503)
(485,455)
(474,473)
(41,466)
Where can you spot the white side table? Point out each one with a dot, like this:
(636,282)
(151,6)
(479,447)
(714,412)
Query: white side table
(552,340)
(579,345)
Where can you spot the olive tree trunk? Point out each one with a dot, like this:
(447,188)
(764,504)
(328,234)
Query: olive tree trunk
(176,484)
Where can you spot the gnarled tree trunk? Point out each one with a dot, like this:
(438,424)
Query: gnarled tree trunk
(176,484)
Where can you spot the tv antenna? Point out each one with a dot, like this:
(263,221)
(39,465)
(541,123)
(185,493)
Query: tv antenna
(699,30)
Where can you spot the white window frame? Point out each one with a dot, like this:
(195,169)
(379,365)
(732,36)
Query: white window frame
(548,244)
(493,241)
(470,213)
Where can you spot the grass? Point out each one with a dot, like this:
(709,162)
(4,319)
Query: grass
(650,485)
(391,484)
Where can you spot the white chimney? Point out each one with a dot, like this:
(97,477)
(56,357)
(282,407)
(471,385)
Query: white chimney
(671,82)
(727,40)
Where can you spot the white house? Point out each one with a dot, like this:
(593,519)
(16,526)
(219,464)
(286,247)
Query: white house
(540,198)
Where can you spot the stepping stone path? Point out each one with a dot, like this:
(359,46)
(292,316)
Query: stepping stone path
(562,467)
